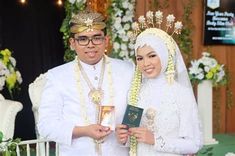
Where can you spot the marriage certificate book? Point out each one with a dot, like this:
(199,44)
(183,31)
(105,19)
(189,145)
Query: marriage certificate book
(132,116)
(107,116)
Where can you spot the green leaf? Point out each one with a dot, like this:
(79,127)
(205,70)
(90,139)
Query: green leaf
(1,136)
(7,153)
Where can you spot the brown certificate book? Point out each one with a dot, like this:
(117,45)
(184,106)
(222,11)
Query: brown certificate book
(107,116)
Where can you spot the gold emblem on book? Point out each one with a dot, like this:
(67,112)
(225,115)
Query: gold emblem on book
(132,116)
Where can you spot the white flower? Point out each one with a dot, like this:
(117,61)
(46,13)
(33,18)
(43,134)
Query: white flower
(131,45)
(126,26)
(13,61)
(205,54)
(121,54)
(230,154)
(149,14)
(72,1)
(206,68)
(123,47)
(135,26)
(125,4)
(116,45)
(200,76)
(141,19)
(18,77)
(2,82)
(125,38)
(170,18)
(178,25)
(159,14)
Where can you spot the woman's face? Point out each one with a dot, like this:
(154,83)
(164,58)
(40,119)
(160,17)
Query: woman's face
(148,62)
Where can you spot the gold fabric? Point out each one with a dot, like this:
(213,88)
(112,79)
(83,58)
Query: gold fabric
(87,21)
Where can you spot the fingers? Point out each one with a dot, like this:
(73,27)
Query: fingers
(137,130)
(122,133)
(104,128)
(121,126)
(97,131)
(142,135)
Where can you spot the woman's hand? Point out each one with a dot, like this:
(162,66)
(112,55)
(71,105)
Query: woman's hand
(142,134)
(122,133)
(94,131)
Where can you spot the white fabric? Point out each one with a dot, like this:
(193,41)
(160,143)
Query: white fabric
(35,92)
(8,112)
(176,123)
(60,108)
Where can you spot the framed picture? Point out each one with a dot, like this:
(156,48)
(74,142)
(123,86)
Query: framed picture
(107,116)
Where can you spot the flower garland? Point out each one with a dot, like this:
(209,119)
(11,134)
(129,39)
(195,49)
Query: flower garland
(133,99)
(120,18)
(9,75)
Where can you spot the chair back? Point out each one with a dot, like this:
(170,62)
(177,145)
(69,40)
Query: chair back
(8,112)
(35,91)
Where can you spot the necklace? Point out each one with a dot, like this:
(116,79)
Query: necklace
(78,73)
(96,95)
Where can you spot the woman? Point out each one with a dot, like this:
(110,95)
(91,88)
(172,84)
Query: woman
(170,124)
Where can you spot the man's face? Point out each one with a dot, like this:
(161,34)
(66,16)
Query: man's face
(89,46)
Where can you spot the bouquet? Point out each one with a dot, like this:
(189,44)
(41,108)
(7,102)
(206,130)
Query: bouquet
(10,77)
(207,68)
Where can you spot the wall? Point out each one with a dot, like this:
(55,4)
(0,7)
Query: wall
(222,117)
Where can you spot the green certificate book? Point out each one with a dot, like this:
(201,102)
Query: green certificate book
(132,116)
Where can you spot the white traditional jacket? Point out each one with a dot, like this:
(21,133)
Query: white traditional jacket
(61,108)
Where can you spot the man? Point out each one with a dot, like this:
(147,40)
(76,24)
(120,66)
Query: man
(72,96)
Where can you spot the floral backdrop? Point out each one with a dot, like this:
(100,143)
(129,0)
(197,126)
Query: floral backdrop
(120,13)
(10,77)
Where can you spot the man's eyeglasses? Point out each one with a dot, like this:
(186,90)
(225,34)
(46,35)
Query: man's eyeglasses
(84,40)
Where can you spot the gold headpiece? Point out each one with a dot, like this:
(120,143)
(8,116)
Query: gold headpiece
(152,25)
(86,21)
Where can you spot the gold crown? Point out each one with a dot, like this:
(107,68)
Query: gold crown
(152,25)
(87,20)
(155,21)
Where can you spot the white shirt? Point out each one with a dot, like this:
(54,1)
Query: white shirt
(61,109)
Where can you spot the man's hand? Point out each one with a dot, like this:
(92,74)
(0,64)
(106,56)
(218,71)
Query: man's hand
(94,131)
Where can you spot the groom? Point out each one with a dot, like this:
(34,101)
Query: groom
(70,102)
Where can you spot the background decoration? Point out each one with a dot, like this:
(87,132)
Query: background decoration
(71,6)
(10,77)
(207,68)
(120,17)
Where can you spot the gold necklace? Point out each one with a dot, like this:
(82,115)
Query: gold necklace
(96,95)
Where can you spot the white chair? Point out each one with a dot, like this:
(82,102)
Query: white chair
(8,112)
(35,91)
(42,145)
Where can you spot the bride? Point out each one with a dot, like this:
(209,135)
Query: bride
(170,124)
